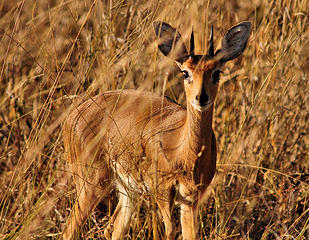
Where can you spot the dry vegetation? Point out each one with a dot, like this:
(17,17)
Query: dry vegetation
(56,53)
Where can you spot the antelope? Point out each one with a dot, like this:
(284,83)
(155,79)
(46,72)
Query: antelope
(142,144)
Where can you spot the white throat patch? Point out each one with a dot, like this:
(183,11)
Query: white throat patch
(200,108)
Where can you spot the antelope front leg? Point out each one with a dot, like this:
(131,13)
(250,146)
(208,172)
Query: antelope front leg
(189,222)
(166,211)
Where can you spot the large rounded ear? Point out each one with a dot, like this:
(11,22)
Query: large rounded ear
(234,41)
(169,41)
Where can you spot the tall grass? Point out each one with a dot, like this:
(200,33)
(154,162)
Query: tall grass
(54,54)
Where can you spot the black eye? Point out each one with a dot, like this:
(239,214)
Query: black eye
(216,76)
(185,74)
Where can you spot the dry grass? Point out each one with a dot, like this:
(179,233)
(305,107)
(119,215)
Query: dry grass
(53,51)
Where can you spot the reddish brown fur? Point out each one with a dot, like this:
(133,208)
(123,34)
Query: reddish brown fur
(145,145)
(140,125)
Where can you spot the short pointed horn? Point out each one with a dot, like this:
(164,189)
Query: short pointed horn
(211,43)
(192,43)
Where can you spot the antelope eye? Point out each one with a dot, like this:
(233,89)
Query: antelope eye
(216,76)
(185,74)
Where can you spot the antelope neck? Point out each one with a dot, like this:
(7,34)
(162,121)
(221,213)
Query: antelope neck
(198,129)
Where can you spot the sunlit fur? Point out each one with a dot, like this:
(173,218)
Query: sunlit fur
(148,147)
(128,146)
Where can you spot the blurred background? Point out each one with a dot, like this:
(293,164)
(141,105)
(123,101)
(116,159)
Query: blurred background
(57,53)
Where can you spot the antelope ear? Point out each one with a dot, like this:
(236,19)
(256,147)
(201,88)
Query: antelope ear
(169,41)
(234,41)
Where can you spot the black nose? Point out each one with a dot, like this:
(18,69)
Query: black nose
(203,98)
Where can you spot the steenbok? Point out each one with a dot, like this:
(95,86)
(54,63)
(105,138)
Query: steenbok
(141,144)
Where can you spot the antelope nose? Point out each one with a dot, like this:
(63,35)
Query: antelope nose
(202,99)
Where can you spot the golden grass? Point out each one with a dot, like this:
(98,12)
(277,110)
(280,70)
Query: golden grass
(53,51)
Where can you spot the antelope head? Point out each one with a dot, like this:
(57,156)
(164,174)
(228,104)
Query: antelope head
(201,72)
